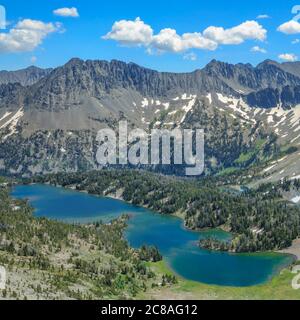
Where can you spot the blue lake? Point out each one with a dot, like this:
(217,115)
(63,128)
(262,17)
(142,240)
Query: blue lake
(178,245)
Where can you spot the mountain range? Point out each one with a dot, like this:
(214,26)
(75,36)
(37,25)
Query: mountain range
(25,77)
(251,115)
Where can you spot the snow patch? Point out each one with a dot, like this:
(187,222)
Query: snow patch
(5,115)
(237,105)
(269,168)
(166,105)
(296,199)
(12,123)
(145,103)
(187,109)
(209,98)
(295,178)
(270,119)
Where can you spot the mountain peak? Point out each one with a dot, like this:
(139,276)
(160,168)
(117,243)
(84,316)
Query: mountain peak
(214,63)
(74,61)
(25,77)
(33,68)
(268,62)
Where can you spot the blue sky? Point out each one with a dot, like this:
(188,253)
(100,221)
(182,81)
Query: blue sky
(37,35)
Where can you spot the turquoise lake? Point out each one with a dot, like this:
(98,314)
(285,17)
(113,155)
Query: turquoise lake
(178,245)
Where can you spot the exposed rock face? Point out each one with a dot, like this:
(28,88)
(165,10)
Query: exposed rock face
(25,77)
(244,110)
(287,97)
(78,80)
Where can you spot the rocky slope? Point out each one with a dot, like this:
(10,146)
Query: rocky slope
(249,114)
(25,77)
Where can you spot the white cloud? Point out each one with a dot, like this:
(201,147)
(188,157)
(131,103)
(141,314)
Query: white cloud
(290,27)
(169,40)
(130,32)
(67,12)
(295,41)
(249,30)
(263,16)
(137,33)
(291,57)
(26,35)
(258,49)
(190,56)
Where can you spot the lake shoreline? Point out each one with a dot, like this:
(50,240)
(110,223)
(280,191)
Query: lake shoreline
(277,288)
(181,242)
(293,251)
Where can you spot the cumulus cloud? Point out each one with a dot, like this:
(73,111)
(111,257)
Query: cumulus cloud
(290,27)
(66,12)
(130,32)
(26,35)
(169,40)
(290,57)
(263,16)
(138,33)
(249,30)
(258,49)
